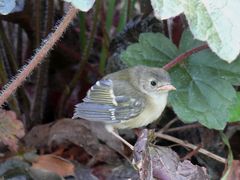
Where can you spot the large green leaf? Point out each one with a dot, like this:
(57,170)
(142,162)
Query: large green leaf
(203,81)
(164,9)
(155,46)
(214,21)
(235,110)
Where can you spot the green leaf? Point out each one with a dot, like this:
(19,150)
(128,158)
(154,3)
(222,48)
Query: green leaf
(203,81)
(83,5)
(214,21)
(235,110)
(164,9)
(152,49)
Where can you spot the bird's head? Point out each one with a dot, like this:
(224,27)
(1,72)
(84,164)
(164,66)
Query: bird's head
(153,81)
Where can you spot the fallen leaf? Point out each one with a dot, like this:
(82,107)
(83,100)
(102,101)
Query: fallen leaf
(123,172)
(41,174)
(55,164)
(142,158)
(83,172)
(67,131)
(163,163)
(38,136)
(11,129)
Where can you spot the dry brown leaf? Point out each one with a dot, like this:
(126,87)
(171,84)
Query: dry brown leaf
(67,131)
(11,129)
(79,133)
(38,136)
(54,164)
(163,163)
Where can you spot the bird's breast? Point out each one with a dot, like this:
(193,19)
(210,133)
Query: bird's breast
(153,109)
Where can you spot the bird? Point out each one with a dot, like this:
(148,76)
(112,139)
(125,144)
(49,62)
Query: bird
(130,98)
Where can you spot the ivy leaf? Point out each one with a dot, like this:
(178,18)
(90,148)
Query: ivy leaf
(214,21)
(235,110)
(203,81)
(83,5)
(150,48)
(6,6)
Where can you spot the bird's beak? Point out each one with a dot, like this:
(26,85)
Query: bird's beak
(167,87)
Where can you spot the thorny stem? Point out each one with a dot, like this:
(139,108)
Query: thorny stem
(21,101)
(183,56)
(191,146)
(38,57)
(68,89)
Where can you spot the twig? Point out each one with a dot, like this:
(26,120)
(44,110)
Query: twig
(39,104)
(191,146)
(165,128)
(68,89)
(192,153)
(189,126)
(183,56)
(128,10)
(38,57)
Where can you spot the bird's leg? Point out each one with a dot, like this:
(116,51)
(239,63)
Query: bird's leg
(111,130)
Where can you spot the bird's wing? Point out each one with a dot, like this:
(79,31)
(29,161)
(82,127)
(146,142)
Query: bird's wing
(102,105)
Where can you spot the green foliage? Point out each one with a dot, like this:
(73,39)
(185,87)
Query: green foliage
(214,21)
(203,81)
(235,110)
(123,17)
(152,50)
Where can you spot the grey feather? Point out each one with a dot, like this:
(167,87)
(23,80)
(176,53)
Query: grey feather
(102,105)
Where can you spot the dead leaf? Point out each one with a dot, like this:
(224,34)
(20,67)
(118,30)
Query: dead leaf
(82,172)
(42,174)
(11,129)
(123,172)
(54,164)
(167,165)
(163,163)
(67,131)
(142,158)
(38,136)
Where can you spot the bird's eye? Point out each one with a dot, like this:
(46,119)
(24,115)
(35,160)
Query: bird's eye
(153,83)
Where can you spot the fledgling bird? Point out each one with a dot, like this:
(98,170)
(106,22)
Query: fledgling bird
(129,98)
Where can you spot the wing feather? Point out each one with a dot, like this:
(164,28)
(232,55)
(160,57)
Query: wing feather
(102,105)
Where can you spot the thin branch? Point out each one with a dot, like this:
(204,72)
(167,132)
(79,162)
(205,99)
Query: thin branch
(38,57)
(81,67)
(128,10)
(183,56)
(191,146)
(39,102)
(166,127)
(183,128)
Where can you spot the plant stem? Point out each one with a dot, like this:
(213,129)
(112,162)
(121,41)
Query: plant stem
(39,102)
(83,29)
(26,70)
(106,27)
(68,89)
(191,146)
(21,99)
(183,56)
